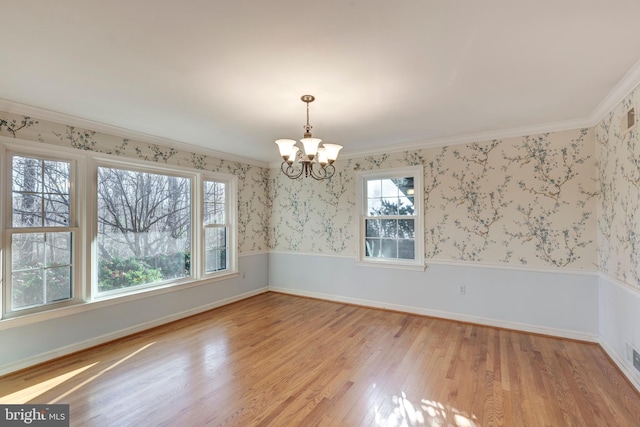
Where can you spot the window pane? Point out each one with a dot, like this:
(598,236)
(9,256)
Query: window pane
(381,248)
(406,249)
(58,249)
(27,288)
(27,251)
(389,188)
(372,247)
(374,188)
(389,248)
(214,213)
(214,191)
(389,228)
(27,175)
(56,210)
(41,266)
(56,177)
(216,260)
(406,228)
(374,207)
(27,210)
(404,185)
(144,228)
(58,280)
(373,227)
(40,192)
(215,249)
(389,206)
(216,238)
(214,202)
(405,206)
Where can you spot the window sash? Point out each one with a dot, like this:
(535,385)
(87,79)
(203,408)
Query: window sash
(216,253)
(41,277)
(216,256)
(391,238)
(22,282)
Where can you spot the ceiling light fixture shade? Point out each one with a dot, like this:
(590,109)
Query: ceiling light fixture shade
(285,146)
(313,161)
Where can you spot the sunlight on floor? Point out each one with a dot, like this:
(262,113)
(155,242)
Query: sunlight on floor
(85,382)
(424,412)
(30,393)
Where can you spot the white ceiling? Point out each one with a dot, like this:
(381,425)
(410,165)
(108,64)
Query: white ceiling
(228,74)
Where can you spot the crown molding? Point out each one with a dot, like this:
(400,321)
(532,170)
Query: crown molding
(69,120)
(628,83)
(462,139)
(472,137)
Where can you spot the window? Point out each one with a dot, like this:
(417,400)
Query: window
(216,226)
(78,227)
(391,219)
(144,228)
(41,233)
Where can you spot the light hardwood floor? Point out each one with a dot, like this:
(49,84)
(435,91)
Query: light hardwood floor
(287,361)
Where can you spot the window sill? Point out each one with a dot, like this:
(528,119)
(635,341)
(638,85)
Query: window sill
(393,265)
(107,301)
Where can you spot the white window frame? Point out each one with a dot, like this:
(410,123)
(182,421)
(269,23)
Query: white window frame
(417,172)
(197,227)
(76,192)
(85,268)
(142,168)
(231,216)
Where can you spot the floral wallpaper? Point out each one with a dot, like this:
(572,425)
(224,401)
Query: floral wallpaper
(253,201)
(529,200)
(619,182)
(518,201)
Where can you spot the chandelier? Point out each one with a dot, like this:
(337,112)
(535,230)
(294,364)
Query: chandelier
(314,161)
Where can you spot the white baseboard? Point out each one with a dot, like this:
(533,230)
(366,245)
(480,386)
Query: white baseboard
(633,377)
(83,345)
(523,327)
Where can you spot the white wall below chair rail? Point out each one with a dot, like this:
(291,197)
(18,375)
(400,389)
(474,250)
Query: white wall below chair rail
(552,302)
(619,323)
(34,343)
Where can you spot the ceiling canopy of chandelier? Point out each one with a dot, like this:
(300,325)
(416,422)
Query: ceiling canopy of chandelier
(312,160)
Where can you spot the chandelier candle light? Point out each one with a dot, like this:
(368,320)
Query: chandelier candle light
(314,162)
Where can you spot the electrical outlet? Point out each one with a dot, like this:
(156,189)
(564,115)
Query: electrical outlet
(462,290)
(636,359)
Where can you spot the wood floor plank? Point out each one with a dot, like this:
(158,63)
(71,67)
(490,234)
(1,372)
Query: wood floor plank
(280,360)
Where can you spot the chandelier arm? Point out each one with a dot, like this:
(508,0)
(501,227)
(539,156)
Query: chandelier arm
(290,171)
(322,172)
(330,170)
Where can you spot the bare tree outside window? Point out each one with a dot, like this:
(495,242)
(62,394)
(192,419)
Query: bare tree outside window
(144,228)
(136,221)
(216,225)
(41,260)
